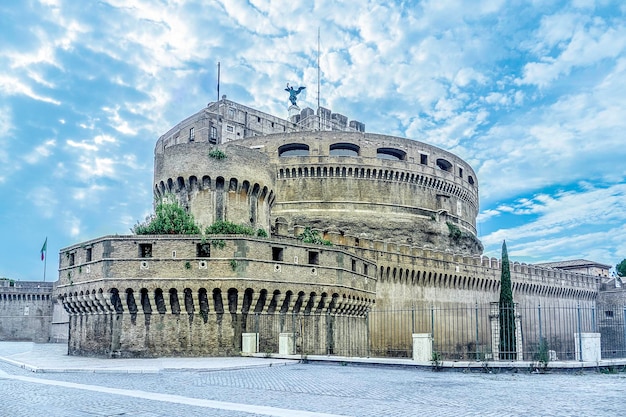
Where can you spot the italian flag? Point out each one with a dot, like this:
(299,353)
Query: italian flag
(44,249)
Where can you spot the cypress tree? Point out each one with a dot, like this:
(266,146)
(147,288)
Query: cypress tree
(507,310)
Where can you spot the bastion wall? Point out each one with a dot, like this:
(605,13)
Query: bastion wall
(25,311)
(124,303)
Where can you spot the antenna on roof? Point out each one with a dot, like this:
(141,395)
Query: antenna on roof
(319,120)
(218,81)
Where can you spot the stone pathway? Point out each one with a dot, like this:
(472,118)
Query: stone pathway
(288,388)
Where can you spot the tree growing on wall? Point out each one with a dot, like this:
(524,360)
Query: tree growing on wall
(169,218)
(621,268)
(507,310)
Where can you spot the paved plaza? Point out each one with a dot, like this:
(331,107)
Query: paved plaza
(42,380)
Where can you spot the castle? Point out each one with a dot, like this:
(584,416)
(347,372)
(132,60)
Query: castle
(400,214)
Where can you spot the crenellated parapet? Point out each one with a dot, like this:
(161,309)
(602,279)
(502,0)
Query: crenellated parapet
(326,277)
(463,278)
(113,286)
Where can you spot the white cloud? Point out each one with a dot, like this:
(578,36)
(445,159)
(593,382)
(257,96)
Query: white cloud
(100,139)
(72,224)
(558,222)
(40,152)
(580,41)
(81,145)
(91,167)
(13,86)
(44,199)
(118,123)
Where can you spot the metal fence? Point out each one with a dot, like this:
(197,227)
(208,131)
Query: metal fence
(480,332)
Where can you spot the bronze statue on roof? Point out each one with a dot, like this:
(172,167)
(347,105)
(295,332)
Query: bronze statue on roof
(293,94)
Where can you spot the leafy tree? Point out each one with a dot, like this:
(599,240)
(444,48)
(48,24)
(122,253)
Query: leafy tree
(169,219)
(507,310)
(621,268)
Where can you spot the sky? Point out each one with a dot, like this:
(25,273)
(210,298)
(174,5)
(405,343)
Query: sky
(532,94)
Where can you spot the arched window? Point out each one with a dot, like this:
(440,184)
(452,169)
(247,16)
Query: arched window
(443,164)
(391,154)
(293,149)
(344,149)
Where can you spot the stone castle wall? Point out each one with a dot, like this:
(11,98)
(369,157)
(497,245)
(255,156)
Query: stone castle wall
(25,311)
(238,188)
(362,193)
(400,213)
(175,302)
(416,197)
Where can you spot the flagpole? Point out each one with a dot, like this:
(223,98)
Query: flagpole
(44,257)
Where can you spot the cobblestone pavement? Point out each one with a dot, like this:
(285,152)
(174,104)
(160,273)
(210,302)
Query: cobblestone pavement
(308,390)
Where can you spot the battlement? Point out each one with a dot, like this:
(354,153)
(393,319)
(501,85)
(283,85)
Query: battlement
(403,263)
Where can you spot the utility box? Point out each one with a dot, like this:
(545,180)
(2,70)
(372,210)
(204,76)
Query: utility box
(249,343)
(590,344)
(286,344)
(422,347)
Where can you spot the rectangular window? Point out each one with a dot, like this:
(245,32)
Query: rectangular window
(71,259)
(461,172)
(423,159)
(203,250)
(230,128)
(258,119)
(608,314)
(231,113)
(272,124)
(145,250)
(353,265)
(364,269)
(314,258)
(88,255)
(277,254)
(192,134)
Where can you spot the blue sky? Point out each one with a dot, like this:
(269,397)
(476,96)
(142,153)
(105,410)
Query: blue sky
(531,93)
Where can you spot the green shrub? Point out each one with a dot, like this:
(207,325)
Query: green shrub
(218,243)
(261,233)
(454,231)
(169,219)
(312,236)
(224,227)
(217,154)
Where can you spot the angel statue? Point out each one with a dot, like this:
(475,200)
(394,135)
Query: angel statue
(293,94)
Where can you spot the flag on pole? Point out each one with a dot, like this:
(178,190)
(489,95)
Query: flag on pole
(44,249)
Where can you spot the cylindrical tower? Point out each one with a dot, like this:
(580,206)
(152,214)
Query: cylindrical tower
(214,183)
(375,186)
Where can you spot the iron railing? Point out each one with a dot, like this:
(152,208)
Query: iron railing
(533,333)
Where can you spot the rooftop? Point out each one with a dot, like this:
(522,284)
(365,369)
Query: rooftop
(574,263)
